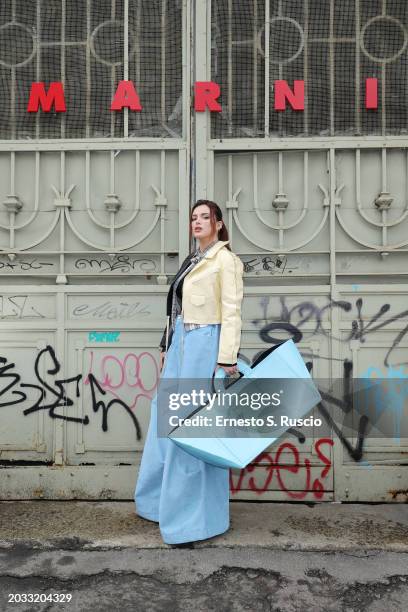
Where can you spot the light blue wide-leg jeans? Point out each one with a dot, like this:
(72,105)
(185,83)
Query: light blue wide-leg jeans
(186,496)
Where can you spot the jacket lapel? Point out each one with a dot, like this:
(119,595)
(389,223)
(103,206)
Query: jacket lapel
(211,253)
(183,266)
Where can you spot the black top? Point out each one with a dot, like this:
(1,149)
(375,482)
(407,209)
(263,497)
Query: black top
(179,295)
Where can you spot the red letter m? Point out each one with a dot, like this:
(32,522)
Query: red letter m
(39,97)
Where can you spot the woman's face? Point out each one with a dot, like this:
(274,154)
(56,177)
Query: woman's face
(201,223)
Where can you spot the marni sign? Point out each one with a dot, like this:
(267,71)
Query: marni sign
(206,95)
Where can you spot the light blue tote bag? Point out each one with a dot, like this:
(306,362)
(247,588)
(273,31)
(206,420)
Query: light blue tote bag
(280,362)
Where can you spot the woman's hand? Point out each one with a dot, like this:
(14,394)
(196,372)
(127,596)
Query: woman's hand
(227,369)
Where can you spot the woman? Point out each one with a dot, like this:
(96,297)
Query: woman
(186,496)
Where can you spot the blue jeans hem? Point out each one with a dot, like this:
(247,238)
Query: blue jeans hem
(181,537)
(147,515)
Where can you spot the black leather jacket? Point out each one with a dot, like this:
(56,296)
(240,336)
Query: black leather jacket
(169,302)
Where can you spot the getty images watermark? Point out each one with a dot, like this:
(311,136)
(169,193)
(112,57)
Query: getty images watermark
(246,408)
(253,401)
(206,408)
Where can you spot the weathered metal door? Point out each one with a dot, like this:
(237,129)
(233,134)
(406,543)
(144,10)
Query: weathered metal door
(93,218)
(316,202)
(94,221)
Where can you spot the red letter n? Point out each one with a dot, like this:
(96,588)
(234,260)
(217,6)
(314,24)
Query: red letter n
(206,94)
(126,95)
(39,97)
(296,98)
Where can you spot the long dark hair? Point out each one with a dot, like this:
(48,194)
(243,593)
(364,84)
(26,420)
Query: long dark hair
(215,215)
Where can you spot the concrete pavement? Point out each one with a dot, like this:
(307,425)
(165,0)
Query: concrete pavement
(281,526)
(276,557)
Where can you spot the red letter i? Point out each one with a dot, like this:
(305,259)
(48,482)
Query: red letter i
(371,97)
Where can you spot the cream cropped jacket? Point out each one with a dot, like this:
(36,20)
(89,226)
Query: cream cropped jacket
(212,293)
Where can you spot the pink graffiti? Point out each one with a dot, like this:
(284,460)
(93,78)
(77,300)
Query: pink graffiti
(118,376)
(275,467)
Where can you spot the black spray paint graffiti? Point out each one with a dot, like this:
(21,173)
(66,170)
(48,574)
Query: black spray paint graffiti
(292,319)
(119,263)
(52,397)
(24,266)
(275,264)
(56,395)
(346,405)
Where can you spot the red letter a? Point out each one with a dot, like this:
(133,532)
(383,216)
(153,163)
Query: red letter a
(296,98)
(39,97)
(126,96)
(206,94)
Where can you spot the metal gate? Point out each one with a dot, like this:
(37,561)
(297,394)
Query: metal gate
(95,214)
